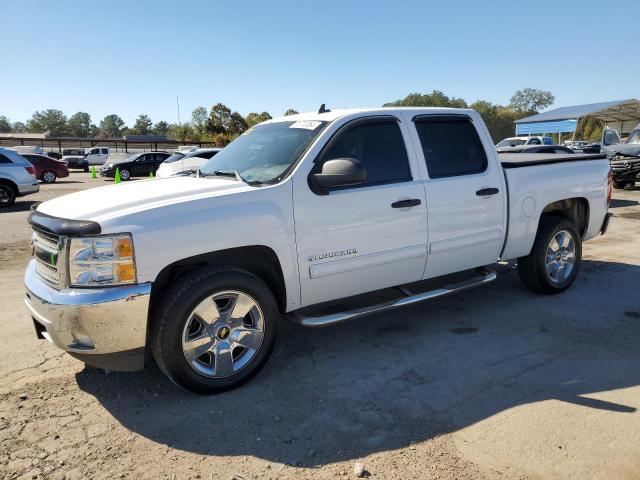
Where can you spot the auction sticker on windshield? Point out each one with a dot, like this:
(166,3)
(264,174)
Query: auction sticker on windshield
(306,124)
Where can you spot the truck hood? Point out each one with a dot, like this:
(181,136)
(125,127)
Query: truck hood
(628,149)
(125,198)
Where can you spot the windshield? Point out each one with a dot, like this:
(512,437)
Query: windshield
(634,137)
(265,152)
(174,158)
(511,142)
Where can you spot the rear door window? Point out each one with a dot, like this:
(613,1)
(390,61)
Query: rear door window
(451,146)
(378,145)
(4,159)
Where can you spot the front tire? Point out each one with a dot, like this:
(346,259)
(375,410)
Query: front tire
(555,258)
(215,329)
(622,184)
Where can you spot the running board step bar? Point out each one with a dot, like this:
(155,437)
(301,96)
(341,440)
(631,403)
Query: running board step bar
(483,275)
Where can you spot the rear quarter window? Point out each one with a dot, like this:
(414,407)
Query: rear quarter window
(451,147)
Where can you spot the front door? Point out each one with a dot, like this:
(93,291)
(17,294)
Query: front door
(359,238)
(465,193)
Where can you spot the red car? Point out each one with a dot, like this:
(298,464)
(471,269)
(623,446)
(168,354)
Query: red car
(47,169)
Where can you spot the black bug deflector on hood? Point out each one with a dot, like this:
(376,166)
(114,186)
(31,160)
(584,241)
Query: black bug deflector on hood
(62,226)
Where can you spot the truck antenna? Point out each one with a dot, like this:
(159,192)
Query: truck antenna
(323,109)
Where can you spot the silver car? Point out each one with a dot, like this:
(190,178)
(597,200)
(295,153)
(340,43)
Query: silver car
(17,177)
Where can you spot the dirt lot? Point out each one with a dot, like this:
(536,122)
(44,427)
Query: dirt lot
(494,383)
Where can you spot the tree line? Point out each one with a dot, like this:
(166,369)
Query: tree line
(219,125)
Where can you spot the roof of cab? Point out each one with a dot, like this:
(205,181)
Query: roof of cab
(332,115)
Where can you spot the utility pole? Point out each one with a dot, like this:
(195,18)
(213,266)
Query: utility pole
(178,104)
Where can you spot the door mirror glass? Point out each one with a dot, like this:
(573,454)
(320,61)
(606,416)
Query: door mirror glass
(340,172)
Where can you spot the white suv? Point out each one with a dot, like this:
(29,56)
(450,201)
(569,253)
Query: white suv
(179,164)
(97,156)
(17,177)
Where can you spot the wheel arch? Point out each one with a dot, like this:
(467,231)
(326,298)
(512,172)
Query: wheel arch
(575,209)
(260,260)
(11,184)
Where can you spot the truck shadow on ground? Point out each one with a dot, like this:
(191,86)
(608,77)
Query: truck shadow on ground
(386,381)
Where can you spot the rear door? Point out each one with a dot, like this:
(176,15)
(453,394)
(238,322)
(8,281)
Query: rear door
(357,239)
(464,190)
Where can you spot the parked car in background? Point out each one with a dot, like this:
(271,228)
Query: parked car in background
(624,157)
(97,156)
(515,142)
(56,155)
(17,177)
(186,148)
(137,165)
(179,164)
(583,146)
(75,158)
(22,149)
(541,149)
(47,169)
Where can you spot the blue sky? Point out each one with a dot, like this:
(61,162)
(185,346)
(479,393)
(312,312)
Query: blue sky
(132,57)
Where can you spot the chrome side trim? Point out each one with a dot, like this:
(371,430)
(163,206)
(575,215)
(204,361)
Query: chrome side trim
(484,275)
(465,241)
(319,270)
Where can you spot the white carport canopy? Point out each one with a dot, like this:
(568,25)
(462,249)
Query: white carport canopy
(621,115)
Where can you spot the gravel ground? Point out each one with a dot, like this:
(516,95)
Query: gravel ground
(495,383)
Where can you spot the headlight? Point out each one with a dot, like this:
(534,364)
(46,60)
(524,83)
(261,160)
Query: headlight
(102,260)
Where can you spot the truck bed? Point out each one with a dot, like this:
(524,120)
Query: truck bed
(516,160)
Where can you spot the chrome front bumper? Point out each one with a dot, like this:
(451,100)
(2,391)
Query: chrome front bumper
(91,322)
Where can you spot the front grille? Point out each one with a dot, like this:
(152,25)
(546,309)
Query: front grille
(47,272)
(47,249)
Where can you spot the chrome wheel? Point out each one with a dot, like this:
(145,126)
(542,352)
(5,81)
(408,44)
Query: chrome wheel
(561,257)
(49,177)
(223,334)
(125,175)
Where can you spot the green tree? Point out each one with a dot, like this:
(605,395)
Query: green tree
(143,125)
(182,132)
(52,122)
(161,128)
(199,120)
(255,118)
(79,125)
(499,119)
(111,126)
(237,124)
(290,111)
(433,99)
(18,127)
(5,125)
(530,101)
(219,119)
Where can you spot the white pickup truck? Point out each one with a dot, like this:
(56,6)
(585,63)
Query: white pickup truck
(296,213)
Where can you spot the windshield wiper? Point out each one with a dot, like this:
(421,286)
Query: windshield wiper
(222,173)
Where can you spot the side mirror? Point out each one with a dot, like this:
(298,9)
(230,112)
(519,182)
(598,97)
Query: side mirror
(340,172)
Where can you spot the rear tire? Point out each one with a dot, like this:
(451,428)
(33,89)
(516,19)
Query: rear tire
(49,176)
(555,258)
(203,340)
(7,195)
